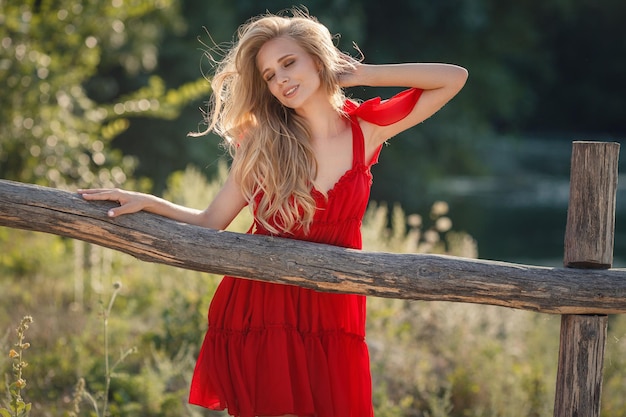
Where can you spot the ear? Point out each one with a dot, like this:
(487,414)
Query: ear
(319,65)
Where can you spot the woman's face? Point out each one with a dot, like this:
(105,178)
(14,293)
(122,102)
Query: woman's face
(291,74)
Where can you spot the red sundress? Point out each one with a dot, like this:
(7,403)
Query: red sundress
(274,349)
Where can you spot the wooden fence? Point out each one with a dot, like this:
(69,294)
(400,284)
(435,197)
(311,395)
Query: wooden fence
(584,292)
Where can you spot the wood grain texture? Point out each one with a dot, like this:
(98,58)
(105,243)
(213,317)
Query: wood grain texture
(153,238)
(581,360)
(590,230)
(589,240)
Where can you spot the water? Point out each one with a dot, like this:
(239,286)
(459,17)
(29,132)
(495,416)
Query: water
(519,213)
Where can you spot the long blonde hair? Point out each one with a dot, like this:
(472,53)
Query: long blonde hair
(273,161)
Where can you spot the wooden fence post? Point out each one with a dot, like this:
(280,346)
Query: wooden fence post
(589,239)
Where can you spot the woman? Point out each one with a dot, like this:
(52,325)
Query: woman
(301,162)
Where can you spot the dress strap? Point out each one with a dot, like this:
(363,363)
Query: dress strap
(385,112)
(358,143)
(380,112)
(358,146)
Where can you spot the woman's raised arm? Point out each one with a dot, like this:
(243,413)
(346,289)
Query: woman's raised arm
(439,82)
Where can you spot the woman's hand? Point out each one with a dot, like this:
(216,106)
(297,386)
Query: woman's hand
(349,75)
(350,78)
(129,201)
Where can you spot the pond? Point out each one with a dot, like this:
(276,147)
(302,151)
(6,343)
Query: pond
(519,212)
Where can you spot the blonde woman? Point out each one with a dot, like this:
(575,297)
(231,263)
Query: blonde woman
(301,157)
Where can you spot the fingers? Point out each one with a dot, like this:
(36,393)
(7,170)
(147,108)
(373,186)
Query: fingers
(124,208)
(123,198)
(100,194)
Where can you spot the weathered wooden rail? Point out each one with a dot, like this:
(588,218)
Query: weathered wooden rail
(583,292)
(410,276)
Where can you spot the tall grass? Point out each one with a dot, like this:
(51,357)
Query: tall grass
(428,358)
(16,406)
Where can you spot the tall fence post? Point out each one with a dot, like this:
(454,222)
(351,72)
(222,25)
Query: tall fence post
(589,240)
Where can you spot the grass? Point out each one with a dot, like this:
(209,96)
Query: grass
(16,405)
(431,359)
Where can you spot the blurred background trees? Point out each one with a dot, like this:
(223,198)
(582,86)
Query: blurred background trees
(87,79)
(73,73)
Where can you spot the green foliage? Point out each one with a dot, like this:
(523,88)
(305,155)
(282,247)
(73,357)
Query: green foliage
(614,364)
(400,233)
(53,129)
(461,359)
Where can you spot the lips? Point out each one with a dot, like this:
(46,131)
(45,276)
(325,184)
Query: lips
(290,92)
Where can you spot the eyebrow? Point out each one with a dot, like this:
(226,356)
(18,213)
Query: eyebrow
(281,59)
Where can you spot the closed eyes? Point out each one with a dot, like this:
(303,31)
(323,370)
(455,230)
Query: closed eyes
(270,75)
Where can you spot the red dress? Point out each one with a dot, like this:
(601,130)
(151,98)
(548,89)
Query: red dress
(274,349)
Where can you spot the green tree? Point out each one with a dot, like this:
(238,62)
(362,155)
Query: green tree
(161,146)
(56,119)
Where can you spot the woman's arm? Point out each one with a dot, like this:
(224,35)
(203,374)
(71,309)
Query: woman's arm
(440,83)
(218,215)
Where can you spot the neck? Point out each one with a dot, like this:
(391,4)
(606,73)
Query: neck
(323,121)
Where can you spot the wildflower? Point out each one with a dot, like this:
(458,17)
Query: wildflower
(79,392)
(439,208)
(414,220)
(443,224)
(431,236)
(26,320)
(17,405)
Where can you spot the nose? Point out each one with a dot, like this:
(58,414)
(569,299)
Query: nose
(283,78)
